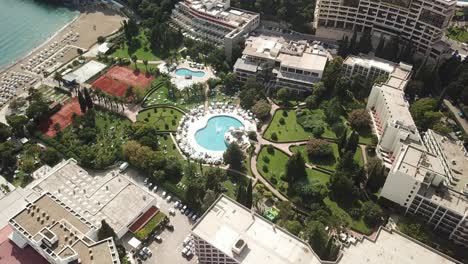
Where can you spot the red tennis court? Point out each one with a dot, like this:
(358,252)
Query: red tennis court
(10,253)
(110,86)
(129,76)
(63,117)
(144,218)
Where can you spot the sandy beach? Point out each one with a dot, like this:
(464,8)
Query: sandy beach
(89,25)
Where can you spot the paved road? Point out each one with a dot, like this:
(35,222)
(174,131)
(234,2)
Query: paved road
(455,110)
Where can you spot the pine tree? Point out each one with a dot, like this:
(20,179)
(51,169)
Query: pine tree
(249,195)
(391,49)
(342,140)
(105,231)
(353,44)
(380,48)
(82,102)
(353,142)
(88,100)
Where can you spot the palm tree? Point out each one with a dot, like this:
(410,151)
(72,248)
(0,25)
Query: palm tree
(134,59)
(58,77)
(145,62)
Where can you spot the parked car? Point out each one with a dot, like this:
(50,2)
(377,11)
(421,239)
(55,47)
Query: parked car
(147,251)
(190,214)
(183,208)
(168,199)
(123,166)
(158,239)
(176,204)
(164,194)
(185,251)
(187,240)
(172,211)
(460,114)
(170,226)
(142,255)
(145,182)
(150,185)
(187,212)
(194,218)
(155,188)
(189,254)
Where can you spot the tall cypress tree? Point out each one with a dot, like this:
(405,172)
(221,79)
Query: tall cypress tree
(88,100)
(82,102)
(365,42)
(240,197)
(342,140)
(343,47)
(380,47)
(249,195)
(353,142)
(353,44)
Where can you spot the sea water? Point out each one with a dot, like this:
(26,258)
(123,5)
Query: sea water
(26,24)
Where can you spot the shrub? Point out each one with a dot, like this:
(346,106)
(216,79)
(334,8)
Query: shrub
(265,168)
(166,126)
(252,135)
(274,180)
(101,39)
(281,121)
(312,122)
(274,136)
(262,109)
(319,148)
(266,159)
(285,113)
(270,149)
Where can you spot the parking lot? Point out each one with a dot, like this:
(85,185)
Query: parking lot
(169,250)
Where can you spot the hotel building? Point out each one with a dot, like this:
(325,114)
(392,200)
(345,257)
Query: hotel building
(60,234)
(214,21)
(418,182)
(391,119)
(295,65)
(421,22)
(367,67)
(231,233)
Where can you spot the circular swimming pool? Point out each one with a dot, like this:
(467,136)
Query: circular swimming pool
(185,72)
(211,137)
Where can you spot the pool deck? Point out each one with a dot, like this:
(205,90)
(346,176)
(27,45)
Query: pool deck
(202,122)
(181,82)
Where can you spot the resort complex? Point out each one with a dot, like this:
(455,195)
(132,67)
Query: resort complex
(214,21)
(229,132)
(421,23)
(296,65)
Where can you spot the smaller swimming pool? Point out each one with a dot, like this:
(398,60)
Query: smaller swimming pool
(185,72)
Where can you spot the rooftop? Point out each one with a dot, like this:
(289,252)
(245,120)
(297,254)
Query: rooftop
(228,226)
(418,163)
(96,197)
(294,54)
(392,247)
(369,62)
(65,231)
(397,105)
(221,10)
(456,157)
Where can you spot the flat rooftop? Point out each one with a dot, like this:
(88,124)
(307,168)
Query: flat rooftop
(397,105)
(51,219)
(417,163)
(368,62)
(101,196)
(294,54)
(220,9)
(392,247)
(226,222)
(456,157)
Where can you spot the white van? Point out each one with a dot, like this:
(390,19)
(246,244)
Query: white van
(123,166)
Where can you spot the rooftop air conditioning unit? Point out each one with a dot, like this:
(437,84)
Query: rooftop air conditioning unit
(239,246)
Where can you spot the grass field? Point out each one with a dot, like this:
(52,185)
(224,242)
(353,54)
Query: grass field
(458,34)
(161,96)
(142,51)
(164,118)
(337,211)
(291,130)
(150,226)
(52,94)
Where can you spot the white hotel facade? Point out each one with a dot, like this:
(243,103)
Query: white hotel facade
(214,21)
(422,22)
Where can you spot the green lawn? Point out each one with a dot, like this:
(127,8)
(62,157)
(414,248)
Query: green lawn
(328,163)
(291,130)
(142,51)
(167,144)
(160,96)
(337,211)
(273,166)
(458,34)
(164,118)
(150,226)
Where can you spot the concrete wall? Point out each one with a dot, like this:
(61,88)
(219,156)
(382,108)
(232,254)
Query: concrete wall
(398,186)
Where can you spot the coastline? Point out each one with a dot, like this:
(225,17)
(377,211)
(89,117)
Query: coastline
(15,63)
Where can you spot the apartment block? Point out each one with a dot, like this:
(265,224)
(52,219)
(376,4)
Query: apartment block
(295,65)
(418,182)
(421,22)
(214,21)
(391,119)
(231,233)
(60,234)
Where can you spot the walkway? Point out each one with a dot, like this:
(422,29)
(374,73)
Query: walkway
(455,111)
